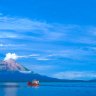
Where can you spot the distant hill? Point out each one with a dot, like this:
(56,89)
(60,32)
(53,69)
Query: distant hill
(16,76)
(11,71)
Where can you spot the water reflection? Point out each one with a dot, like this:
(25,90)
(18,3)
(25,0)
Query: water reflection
(10,89)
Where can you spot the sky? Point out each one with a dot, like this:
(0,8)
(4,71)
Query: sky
(56,38)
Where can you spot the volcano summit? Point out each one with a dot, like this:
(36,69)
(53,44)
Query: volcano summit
(11,65)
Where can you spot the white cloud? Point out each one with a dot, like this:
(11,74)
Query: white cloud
(10,56)
(72,53)
(8,35)
(19,27)
(42,58)
(11,45)
(15,56)
(28,56)
(49,32)
(19,24)
(35,56)
(42,34)
(78,75)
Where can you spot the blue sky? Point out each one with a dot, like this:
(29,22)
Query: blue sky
(54,38)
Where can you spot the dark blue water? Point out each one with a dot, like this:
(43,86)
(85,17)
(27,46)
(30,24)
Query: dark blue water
(48,89)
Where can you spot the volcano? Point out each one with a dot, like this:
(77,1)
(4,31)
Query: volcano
(11,71)
(12,65)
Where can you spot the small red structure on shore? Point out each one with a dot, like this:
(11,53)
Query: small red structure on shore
(34,83)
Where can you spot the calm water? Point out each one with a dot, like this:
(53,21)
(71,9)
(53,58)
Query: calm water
(48,89)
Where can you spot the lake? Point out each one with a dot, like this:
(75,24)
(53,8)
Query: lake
(49,89)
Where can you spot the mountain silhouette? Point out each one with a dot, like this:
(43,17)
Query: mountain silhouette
(11,71)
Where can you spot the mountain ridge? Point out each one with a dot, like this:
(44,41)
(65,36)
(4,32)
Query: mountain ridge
(11,71)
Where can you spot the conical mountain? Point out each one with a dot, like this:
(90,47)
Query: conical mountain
(11,65)
(11,71)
